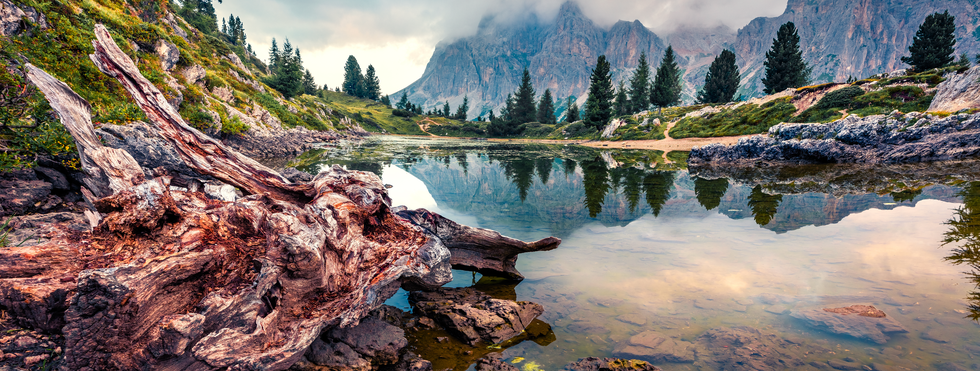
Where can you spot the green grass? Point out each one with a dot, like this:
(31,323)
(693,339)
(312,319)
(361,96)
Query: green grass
(373,116)
(746,119)
(853,99)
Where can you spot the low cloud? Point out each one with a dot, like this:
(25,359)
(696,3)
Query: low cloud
(410,29)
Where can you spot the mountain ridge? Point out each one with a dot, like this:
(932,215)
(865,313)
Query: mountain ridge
(561,53)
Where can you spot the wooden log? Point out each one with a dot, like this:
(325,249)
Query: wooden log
(202,153)
(478,249)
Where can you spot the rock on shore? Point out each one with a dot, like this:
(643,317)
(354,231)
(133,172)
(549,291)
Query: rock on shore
(913,137)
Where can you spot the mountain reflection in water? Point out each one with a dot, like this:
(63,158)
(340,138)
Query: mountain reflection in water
(650,245)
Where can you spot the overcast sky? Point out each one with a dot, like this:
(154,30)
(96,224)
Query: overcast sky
(399,36)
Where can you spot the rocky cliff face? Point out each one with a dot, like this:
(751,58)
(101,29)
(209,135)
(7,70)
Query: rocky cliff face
(839,38)
(842,38)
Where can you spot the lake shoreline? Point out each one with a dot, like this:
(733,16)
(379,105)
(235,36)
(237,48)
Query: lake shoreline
(666,145)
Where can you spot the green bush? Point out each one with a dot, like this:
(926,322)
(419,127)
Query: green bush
(578,129)
(841,98)
(402,113)
(29,128)
(234,126)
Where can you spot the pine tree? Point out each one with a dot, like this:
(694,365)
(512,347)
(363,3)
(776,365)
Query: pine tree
(666,90)
(934,43)
(274,56)
(571,111)
(785,67)
(403,102)
(224,26)
(622,105)
(309,85)
(524,110)
(445,110)
(372,84)
(598,106)
(353,83)
(640,86)
(386,100)
(462,109)
(721,83)
(546,109)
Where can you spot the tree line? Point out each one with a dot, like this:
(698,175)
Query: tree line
(288,76)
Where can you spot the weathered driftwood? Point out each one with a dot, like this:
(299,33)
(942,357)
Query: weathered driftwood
(174,280)
(200,152)
(477,249)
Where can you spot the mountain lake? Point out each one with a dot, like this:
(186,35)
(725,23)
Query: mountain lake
(673,266)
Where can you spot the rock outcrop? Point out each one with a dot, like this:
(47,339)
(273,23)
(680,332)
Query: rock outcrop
(859,321)
(959,92)
(655,347)
(913,137)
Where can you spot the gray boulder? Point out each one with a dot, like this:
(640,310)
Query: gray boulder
(168,53)
(958,92)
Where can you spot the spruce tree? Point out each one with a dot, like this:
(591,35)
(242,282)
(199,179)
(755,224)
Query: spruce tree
(666,90)
(371,84)
(274,56)
(622,105)
(353,84)
(721,83)
(640,86)
(462,109)
(386,100)
(546,109)
(571,111)
(309,85)
(785,67)
(598,106)
(524,110)
(403,102)
(934,43)
(445,110)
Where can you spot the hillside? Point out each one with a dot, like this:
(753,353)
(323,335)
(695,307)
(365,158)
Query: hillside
(839,39)
(216,83)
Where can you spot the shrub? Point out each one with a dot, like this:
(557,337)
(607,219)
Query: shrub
(234,126)
(402,113)
(841,98)
(578,129)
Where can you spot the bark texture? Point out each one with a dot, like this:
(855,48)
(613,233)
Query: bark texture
(173,279)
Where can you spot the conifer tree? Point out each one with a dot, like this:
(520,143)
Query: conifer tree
(445,110)
(785,67)
(372,84)
(934,43)
(224,26)
(571,111)
(403,102)
(353,84)
(462,109)
(309,85)
(722,80)
(622,105)
(546,109)
(598,106)
(666,90)
(640,86)
(524,110)
(386,100)
(274,56)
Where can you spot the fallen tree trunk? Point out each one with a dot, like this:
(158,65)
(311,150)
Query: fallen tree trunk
(477,249)
(172,279)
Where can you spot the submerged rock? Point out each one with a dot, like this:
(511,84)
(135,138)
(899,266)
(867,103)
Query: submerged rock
(747,348)
(609,364)
(858,321)
(493,362)
(656,347)
(475,317)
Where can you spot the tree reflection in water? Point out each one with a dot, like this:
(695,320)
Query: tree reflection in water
(763,205)
(964,231)
(710,192)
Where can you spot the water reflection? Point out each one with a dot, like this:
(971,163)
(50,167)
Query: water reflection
(964,231)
